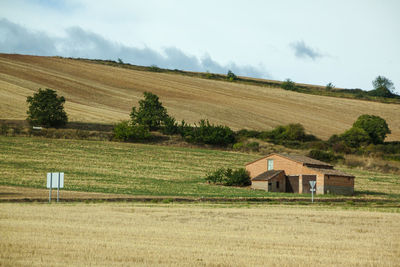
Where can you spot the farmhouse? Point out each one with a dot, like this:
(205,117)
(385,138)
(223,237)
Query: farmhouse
(292,173)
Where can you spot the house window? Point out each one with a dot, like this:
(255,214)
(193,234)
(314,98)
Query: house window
(277,184)
(270,164)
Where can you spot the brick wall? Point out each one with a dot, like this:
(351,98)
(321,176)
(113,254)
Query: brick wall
(264,184)
(339,185)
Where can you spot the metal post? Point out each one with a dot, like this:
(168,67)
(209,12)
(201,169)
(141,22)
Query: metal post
(51,183)
(312,189)
(312,195)
(58,188)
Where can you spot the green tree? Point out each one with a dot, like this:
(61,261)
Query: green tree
(374,126)
(231,76)
(288,84)
(355,137)
(151,112)
(329,87)
(46,109)
(383,87)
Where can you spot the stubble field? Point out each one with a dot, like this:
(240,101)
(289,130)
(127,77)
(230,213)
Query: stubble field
(205,235)
(105,94)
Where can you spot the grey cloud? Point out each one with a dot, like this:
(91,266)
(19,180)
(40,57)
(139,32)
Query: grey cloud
(80,43)
(17,39)
(303,51)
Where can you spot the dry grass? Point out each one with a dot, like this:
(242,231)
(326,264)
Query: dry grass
(99,93)
(137,234)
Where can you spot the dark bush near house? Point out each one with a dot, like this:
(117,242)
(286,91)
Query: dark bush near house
(325,156)
(229,177)
(239,177)
(216,177)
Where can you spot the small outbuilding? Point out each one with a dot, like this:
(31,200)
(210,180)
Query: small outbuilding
(292,173)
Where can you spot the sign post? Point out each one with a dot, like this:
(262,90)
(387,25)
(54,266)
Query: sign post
(312,189)
(55,180)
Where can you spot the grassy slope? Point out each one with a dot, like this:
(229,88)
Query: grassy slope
(140,169)
(100,93)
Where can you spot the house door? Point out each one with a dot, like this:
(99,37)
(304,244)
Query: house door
(292,184)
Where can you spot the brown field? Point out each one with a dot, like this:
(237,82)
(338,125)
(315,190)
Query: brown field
(207,235)
(104,94)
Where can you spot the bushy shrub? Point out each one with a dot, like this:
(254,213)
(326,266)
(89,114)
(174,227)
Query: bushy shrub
(374,126)
(209,75)
(355,137)
(320,145)
(229,177)
(244,133)
(125,131)
(170,126)
(329,87)
(216,177)
(4,129)
(155,68)
(239,177)
(206,133)
(341,147)
(325,156)
(238,146)
(252,146)
(231,76)
(290,132)
(289,85)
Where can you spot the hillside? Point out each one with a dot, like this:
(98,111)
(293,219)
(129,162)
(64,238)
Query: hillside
(147,170)
(106,94)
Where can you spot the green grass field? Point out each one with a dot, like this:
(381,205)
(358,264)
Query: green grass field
(140,169)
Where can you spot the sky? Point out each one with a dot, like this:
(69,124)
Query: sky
(345,42)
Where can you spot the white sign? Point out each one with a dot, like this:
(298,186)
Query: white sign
(312,184)
(55,179)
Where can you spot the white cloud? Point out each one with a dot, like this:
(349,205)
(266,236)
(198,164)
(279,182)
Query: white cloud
(80,43)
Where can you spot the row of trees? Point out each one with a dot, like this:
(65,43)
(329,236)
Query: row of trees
(383,87)
(153,116)
(46,109)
